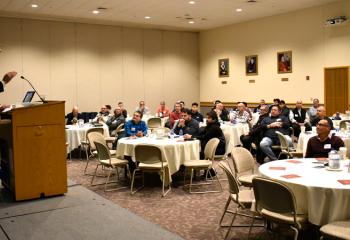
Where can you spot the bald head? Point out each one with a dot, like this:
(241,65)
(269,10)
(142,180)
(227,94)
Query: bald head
(321,112)
(240,107)
(299,104)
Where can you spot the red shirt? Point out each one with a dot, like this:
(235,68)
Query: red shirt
(165,112)
(173,117)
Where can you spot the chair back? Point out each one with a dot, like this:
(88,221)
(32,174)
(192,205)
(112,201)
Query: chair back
(210,148)
(154,122)
(243,160)
(283,141)
(232,181)
(227,143)
(342,124)
(93,136)
(273,196)
(102,151)
(148,154)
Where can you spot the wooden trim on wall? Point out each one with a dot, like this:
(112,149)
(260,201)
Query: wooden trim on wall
(251,104)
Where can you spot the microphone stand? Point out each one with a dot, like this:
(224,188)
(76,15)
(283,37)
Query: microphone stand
(43,100)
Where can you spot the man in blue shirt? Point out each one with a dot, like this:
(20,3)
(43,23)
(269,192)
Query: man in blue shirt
(136,127)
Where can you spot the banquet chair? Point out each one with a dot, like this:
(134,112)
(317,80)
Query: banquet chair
(336,230)
(276,203)
(154,122)
(85,143)
(243,162)
(109,163)
(242,198)
(342,124)
(285,148)
(227,147)
(206,164)
(150,159)
(93,136)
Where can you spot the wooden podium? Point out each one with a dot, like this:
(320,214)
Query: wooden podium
(35,165)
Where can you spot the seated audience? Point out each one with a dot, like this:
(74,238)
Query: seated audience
(211,130)
(175,115)
(136,127)
(241,115)
(272,124)
(313,110)
(255,134)
(162,110)
(247,109)
(336,116)
(195,114)
(276,101)
(321,114)
(257,108)
(324,142)
(115,120)
(74,116)
(300,118)
(285,111)
(124,112)
(103,115)
(143,109)
(222,113)
(186,124)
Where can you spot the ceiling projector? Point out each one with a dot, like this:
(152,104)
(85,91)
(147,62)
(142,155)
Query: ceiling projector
(336,20)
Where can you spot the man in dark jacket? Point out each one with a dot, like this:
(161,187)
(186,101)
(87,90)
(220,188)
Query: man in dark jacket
(186,124)
(255,135)
(115,120)
(74,116)
(196,115)
(276,122)
(300,118)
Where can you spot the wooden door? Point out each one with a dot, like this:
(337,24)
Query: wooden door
(336,89)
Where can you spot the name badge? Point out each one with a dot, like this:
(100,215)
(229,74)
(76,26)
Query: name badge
(295,115)
(327,146)
(133,129)
(278,120)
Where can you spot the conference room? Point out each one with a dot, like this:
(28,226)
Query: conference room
(174,119)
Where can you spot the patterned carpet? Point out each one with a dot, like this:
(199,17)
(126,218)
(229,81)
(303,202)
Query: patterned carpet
(191,216)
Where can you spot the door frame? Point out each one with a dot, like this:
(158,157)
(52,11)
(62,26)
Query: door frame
(324,84)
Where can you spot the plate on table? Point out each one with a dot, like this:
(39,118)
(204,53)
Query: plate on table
(334,169)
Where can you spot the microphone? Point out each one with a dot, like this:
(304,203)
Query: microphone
(43,100)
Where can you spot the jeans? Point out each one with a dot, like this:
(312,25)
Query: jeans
(266,144)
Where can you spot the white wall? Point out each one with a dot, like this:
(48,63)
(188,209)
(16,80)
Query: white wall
(90,65)
(314,47)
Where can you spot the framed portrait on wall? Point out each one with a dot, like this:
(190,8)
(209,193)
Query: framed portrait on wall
(223,67)
(284,62)
(251,65)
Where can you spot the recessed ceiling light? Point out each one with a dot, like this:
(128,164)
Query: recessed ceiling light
(239,10)
(35,5)
(192,2)
(191,22)
(147,17)
(95,11)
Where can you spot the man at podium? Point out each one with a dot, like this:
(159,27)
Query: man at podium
(5,80)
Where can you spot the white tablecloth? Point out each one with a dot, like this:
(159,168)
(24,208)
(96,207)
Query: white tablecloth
(175,151)
(235,131)
(317,191)
(76,134)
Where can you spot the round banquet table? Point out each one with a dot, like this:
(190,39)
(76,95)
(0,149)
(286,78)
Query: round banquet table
(318,191)
(75,134)
(175,151)
(235,131)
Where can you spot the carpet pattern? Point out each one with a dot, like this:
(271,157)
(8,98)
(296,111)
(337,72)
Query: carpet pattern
(191,216)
